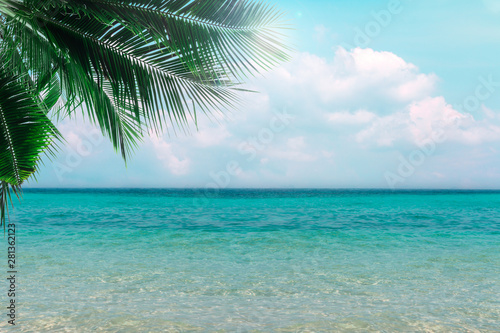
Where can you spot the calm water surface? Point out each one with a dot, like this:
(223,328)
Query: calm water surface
(257,261)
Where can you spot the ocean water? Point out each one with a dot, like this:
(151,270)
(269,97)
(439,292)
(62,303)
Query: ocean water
(256,261)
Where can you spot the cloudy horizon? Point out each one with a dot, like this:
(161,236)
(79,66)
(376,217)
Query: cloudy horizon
(358,106)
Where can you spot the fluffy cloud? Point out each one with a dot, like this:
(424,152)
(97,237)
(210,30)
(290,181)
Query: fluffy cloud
(352,117)
(211,136)
(422,119)
(348,118)
(354,78)
(165,153)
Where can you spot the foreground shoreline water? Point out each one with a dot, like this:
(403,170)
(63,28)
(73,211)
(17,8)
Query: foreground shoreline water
(258,260)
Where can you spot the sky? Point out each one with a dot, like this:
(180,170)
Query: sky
(378,94)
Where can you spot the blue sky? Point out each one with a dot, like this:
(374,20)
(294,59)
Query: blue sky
(385,94)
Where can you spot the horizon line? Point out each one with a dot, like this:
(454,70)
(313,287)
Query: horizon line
(263,188)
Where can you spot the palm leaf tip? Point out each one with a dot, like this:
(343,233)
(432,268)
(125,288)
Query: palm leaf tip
(6,199)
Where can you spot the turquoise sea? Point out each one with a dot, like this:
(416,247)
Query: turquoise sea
(256,261)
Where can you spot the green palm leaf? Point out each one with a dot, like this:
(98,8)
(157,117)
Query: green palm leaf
(130,65)
(25,132)
(161,58)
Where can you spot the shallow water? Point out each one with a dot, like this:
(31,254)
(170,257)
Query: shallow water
(257,261)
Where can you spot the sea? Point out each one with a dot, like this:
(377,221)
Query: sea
(189,260)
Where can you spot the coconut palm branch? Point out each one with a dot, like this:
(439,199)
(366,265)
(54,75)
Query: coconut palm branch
(129,66)
(26,133)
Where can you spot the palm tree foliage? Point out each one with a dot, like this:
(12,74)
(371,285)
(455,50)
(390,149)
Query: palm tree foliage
(130,65)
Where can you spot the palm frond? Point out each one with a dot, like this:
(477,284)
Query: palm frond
(25,131)
(164,58)
(130,65)
(6,199)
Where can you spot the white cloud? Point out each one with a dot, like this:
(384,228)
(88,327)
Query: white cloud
(421,120)
(347,118)
(353,111)
(345,110)
(81,136)
(361,79)
(430,115)
(211,136)
(295,156)
(296,143)
(165,153)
